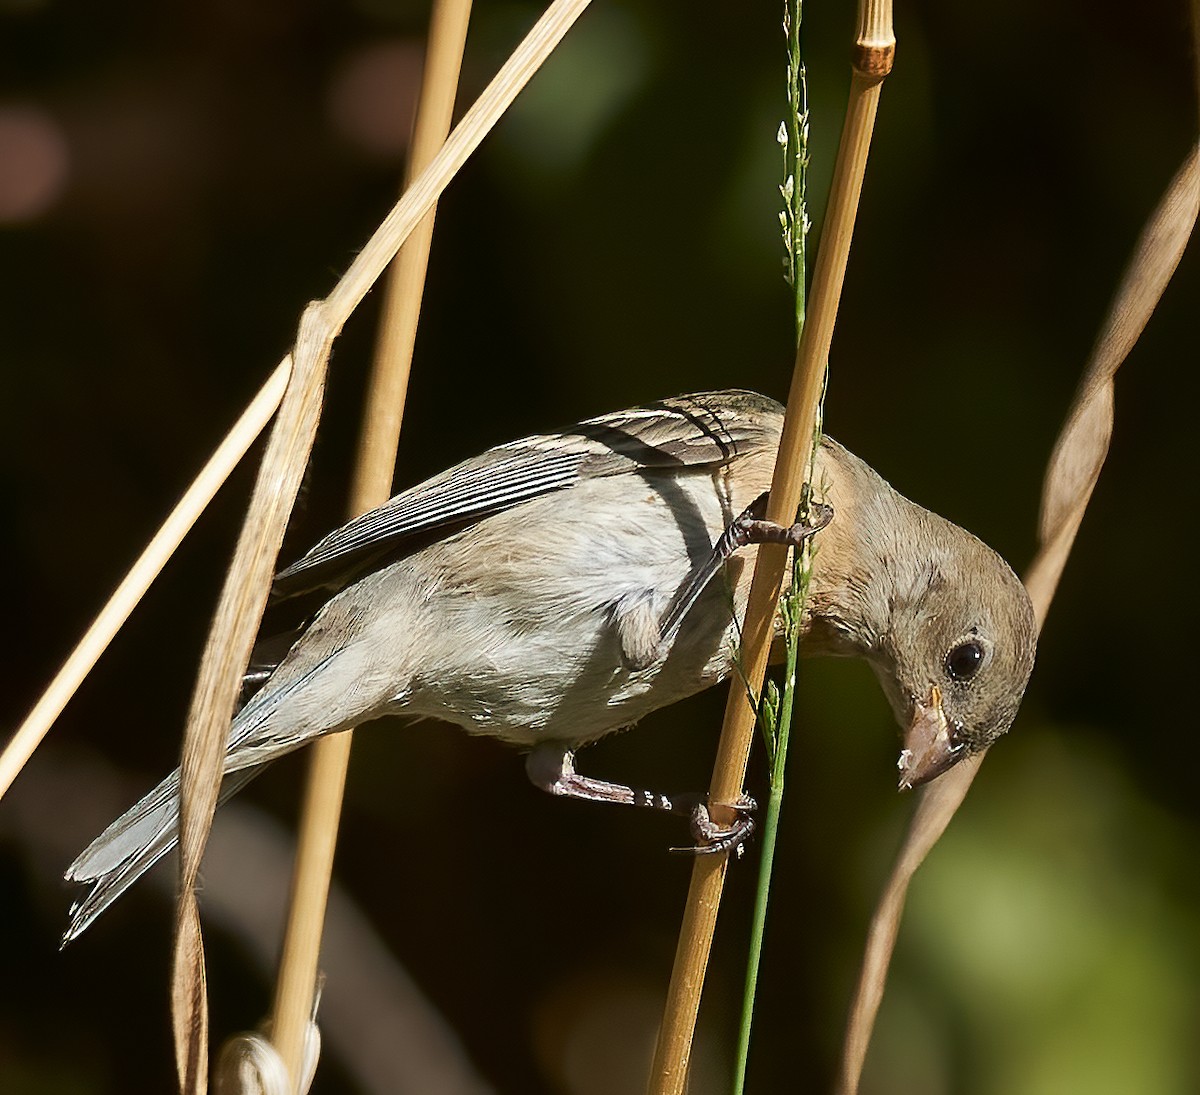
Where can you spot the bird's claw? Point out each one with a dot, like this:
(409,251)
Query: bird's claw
(713,838)
(819,515)
(751,527)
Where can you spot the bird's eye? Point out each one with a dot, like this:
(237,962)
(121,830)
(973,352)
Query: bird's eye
(965,660)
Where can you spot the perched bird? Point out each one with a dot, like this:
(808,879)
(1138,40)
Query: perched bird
(558,588)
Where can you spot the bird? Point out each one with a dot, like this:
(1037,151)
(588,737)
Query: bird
(558,588)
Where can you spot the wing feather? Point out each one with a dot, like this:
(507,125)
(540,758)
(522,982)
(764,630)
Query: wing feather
(704,430)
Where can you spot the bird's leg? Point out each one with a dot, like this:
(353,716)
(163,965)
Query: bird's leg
(551,766)
(749,527)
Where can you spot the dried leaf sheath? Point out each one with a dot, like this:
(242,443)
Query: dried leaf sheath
(1070,478)
(227,651)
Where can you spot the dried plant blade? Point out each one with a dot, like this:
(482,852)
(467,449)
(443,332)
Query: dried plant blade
(254,561)
(1082,446)
(227,651)
(936,805)
(875,46)
(1071,476)
(376,461)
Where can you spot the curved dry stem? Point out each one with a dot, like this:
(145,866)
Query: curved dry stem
(936,805)
(227,650)
(1071,476)
(1082,446)
(249,576)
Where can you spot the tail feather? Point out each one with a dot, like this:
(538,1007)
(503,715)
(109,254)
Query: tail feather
(131,845)
(147,831)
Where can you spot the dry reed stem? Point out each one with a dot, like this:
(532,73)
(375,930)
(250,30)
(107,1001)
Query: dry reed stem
(141,575)
(874,48)
(1071,475)
(231,638)
(372,485)
(406,280)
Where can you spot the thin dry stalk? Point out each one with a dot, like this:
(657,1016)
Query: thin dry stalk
(874,50)
(373,479)
(226,654)
(141,575)
(1071,475)
(406,279)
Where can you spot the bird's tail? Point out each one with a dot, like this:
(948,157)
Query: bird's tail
(147,831)
(131,845)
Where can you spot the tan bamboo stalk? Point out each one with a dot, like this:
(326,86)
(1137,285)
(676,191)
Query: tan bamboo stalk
(372,485)
(872,61)
(133,586)
(1071,475)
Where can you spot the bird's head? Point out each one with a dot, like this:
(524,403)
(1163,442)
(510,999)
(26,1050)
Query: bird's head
(958,653)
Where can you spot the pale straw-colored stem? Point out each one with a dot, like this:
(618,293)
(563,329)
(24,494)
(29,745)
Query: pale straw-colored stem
(405,286)
(872,60)
(226,652)
(1071,476)
(141,575)
(372,484)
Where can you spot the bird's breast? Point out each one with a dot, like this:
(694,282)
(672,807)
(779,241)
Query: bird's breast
(534,612)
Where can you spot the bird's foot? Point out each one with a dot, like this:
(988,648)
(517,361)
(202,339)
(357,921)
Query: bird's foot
(714,838)
(750,527)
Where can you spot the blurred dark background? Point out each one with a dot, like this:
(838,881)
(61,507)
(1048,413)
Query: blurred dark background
(176,181)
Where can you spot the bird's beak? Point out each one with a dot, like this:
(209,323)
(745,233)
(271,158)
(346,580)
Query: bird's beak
(929,748)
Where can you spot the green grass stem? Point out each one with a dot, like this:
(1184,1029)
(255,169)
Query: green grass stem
(775,711)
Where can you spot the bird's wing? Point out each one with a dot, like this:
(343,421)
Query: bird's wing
(708,429)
